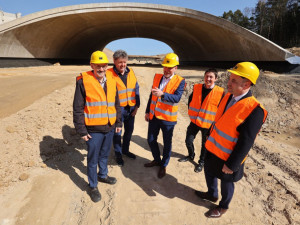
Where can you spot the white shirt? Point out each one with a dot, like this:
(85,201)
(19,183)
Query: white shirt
(211,87)
(164,82)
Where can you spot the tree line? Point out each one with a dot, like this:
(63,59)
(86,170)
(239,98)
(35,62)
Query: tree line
(276,20)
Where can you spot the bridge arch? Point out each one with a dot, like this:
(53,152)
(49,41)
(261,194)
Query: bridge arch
(73,32)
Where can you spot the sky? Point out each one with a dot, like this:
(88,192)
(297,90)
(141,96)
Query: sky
(134,46)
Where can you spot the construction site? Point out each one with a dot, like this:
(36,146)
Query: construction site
(43,161)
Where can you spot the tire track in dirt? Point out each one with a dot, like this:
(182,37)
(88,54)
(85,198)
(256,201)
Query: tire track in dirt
(278,161)
(277,194)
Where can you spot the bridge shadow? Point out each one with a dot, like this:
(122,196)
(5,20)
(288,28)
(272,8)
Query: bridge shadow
(63,155)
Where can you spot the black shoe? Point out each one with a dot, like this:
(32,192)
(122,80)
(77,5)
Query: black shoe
(215,212)
(95,194)
(120,161)
(205,196)
(152,164)
(199,167)
(186,158)
(107,180)
(130,155)
(162,172)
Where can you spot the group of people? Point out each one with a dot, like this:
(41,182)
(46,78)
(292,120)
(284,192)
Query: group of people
(105,100)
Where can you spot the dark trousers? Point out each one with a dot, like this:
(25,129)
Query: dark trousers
(191,134)
(98,151)
(128,122)
(227,189)
(155,125)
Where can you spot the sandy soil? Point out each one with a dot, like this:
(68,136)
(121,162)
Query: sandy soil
(43,161)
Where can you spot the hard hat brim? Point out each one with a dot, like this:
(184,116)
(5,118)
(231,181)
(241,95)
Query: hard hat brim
(242,75)
(98,63)
(169,65)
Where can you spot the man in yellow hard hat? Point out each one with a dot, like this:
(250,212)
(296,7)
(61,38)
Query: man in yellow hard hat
(97,116)
(161,112)
(239,118)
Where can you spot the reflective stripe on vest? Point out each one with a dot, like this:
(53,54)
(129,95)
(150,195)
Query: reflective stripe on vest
(126,95)
(162,109)
(224,134)
(203,115)
(98,110)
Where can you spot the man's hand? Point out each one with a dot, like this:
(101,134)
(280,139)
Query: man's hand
(134,111)
(147,117)
(86,137)
(118,129)
(157,92)
(226,170)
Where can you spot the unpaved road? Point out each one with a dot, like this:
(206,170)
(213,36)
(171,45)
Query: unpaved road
(43,162)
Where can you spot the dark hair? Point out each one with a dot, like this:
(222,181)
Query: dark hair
(120,54)
(212,70)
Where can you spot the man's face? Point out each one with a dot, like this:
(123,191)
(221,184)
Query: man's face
(169,71)
(99,70)
(121,64)
(209,79)
(237,85)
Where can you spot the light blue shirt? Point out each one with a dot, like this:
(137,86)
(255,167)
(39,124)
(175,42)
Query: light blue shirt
(103,82)
(237,98)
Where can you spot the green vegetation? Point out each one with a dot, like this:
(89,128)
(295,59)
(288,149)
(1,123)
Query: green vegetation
(276,20)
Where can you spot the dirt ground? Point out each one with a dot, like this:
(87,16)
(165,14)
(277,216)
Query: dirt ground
(43,161)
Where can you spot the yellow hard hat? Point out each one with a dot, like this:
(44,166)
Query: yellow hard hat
(246,69)
(98,57)
(170,60)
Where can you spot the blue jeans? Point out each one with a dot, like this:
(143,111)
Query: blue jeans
(98,151)
(167,130)
(128,122)
(227,189)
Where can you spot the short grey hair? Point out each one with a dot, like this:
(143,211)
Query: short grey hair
(120,54)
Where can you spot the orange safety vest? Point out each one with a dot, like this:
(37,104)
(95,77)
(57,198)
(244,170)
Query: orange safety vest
(203,115)
(126,95)
(162,109)
(224,134)
(99,107)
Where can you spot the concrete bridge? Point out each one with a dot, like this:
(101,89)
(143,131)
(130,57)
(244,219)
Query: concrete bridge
(73,32)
